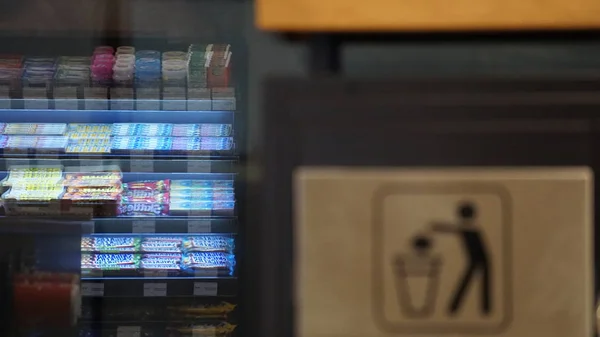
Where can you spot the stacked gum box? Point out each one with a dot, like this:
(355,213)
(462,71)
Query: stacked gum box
(32,190)
(89,138)
(97,192)
(205,196)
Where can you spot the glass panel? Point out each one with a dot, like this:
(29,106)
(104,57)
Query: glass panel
(121,119)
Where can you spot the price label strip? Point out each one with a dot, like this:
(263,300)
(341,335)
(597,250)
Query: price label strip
(209,273)
(156,273)
(121,99)
(36,98)
(148,99)
(65,98)
(199,166)
(90,289)
(199,99)
(129,331)
(143,226)
(223,99)
(96,98)
(199,212)
(155,289)
(142,166)
(174,99)
(199,226)
(206,289)
(203,331)
(5,101)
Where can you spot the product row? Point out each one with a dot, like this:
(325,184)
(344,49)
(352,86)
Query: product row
(201,65)
(173,264)
(182,311)
(120,99)
(218,329)
(104,193)
(115,145)
(83,131)
(157,244)
(119,138)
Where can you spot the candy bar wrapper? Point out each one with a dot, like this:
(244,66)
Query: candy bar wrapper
(104,137)
(207,330)
(92,197)
(90,128)
(110,261)
(21,142)
(143,209)
(201,130)
(76,148)
(34,183)
(201,184)
(135,197)
(142,129)
(91,179)
(94,176)
(201,260)
(148,185)
(142,193)
(95,189)
(141,143)
(202,144)
(204,310)
(208,243)
(203,194)
(99,142)
(185,130)
(52,142)
(161,261)
(27,175)
(26,185)
(35,129)
(110,244)
(157,246)
(176,239)
(186,205)
(214,130)
(32,196)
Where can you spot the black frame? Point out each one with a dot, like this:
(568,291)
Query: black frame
(409,123)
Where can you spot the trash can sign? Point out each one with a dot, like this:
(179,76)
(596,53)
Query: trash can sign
(418,267)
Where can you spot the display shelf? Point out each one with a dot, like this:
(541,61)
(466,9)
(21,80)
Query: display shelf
(166,225)
(170,328)
(121,311)
(160,287)
(200,99)
(140,163)
(129,225)
(153,275)
(114,116)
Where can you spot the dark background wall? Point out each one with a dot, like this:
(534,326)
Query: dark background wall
(270,55)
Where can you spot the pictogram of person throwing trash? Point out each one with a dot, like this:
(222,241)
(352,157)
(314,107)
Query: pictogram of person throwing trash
(421,263)
(478,261)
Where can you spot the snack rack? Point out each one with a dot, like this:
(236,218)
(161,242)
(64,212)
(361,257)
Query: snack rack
(151,157)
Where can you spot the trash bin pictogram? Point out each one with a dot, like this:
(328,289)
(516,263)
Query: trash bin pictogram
(417,279)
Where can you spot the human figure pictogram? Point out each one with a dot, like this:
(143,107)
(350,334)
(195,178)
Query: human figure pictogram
(478,261)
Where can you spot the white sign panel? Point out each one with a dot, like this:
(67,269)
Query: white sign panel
(444,252)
